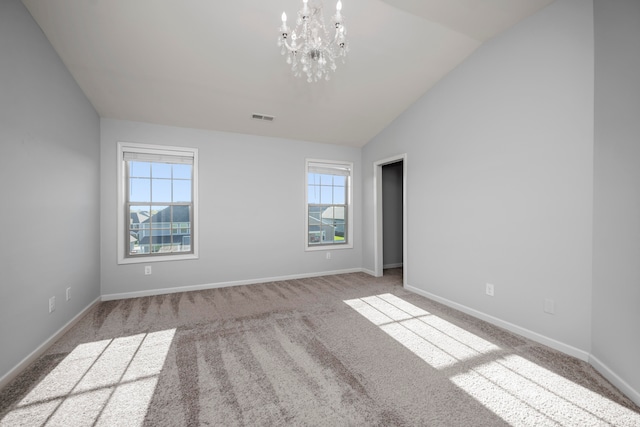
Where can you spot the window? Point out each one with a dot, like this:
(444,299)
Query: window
(328,204)
(157,194)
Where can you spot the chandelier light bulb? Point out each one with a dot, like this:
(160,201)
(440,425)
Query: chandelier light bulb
(311,43)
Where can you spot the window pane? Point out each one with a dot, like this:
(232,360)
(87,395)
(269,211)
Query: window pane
(181,234)
(161,170)
(313,194)
(182,171)
(161,190)
(181,214)
(339,180)
(140,169)
(339,195)
(140,190)
(340,232)
(160,229)
(326,179)
(326,195)
(161,217)
(314,178)
(338,213)
(161,246)
(181,228)
(138,228)
(327,215)
(139,215)
(181,190)
(315,235)
(315,213)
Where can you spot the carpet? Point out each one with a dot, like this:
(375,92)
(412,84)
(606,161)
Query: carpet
(347,349)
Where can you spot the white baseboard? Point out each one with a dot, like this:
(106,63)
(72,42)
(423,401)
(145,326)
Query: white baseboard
(162,291)
(614,379)
(396,265)
(16,370)
(369,272)
(542,339)
(606,372)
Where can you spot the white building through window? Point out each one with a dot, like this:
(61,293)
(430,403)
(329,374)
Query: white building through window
(157,203)
(328,204)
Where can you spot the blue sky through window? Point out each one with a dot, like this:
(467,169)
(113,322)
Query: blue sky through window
(326,189)
(159,182)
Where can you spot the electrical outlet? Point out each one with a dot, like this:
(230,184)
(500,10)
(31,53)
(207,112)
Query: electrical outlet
(147,270)
(489,289)
(549,306)
(52,304)
(328,255)
(68,294)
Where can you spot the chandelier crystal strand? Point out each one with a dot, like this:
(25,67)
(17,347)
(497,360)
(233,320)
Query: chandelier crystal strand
(310,48)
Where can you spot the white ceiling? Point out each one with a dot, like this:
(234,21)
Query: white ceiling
(210,64)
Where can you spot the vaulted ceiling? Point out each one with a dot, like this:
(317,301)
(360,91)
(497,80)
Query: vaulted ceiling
(211,64)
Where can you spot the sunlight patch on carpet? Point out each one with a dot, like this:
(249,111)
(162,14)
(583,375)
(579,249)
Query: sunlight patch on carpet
(515,389)
(102,382)
(523,393)
(437,342)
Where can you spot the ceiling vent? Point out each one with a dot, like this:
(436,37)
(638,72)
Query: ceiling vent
(262,117)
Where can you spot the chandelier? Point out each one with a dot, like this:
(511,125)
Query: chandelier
(310,48)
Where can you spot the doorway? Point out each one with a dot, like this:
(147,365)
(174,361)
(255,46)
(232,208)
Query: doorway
(390,213)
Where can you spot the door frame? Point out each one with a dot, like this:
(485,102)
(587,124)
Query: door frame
(377,214)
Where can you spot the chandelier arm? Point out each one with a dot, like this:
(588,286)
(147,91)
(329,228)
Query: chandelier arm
(337,36)
(288,46)
(335,39)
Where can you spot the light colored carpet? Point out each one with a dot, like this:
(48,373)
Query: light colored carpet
(337,350)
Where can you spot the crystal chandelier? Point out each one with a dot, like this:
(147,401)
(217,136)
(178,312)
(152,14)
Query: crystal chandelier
(310,49)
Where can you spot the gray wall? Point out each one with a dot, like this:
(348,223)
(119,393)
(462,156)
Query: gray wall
(392,214)
(251,211)
(500,168)
(616,258)
(49,183)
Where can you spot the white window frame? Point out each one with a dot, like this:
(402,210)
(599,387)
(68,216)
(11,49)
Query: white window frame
(123,218)
(349,202)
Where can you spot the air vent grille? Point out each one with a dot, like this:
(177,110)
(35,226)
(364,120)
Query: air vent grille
(262,117)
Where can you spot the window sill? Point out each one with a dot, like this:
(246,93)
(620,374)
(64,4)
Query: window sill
(327,248)
(150,259)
